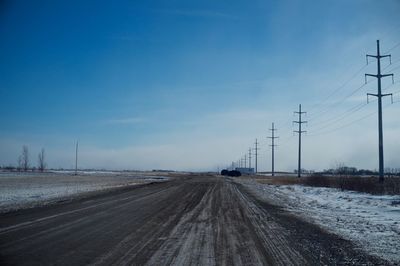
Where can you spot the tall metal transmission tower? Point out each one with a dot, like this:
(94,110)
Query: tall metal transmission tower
(272,137)
(300,122)
(379,95)
(245,161)
(249,157)
(256,154)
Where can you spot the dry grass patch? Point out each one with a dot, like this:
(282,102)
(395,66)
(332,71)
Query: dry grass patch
(370,184)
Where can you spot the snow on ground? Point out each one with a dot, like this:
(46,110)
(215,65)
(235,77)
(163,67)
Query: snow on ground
(372,222)
(24,190)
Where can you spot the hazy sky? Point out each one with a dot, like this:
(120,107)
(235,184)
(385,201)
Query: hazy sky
(189,85)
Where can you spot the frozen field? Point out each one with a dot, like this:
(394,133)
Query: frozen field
(371,222)
(24,190)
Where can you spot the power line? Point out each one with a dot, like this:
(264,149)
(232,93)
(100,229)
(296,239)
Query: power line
(390,85)
(359,107)
(344,84)
(395,46)
(338,119)
(344,115)
(330,122)
(338,88)
(391,64)
(345,125)
(329,107)
(285,141)
(391,70)
(349,124)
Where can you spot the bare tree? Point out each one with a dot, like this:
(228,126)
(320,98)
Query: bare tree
(340,168)
(25,158)
(41,161)
(20,165)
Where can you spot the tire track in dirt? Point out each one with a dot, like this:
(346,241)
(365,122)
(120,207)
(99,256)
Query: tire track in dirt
(226,228)
(274,238)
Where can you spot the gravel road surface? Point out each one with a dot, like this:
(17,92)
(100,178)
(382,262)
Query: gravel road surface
(193,220)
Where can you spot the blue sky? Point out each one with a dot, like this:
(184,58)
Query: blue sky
(188,85)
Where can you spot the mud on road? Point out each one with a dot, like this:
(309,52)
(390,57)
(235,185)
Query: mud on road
(196,220)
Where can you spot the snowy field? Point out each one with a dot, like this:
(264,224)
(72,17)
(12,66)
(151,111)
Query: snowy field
(24,190)
(371,222)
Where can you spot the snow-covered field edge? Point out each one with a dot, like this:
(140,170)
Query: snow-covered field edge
(22,191)
(371,222)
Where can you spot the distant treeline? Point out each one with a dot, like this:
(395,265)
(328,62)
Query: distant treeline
(367,184)
(353,171)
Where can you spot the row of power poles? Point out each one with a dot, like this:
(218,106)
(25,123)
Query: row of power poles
(273,145)
(242,163)
(300,122)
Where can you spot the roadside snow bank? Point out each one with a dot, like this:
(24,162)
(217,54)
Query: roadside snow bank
(371,222)
(19,191)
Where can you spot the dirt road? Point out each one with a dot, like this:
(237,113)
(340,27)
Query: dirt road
(200,220)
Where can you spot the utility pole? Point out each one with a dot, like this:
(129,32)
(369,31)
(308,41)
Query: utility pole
(245,161)
(379,95)
(300,113)
(76,158)
(256,149)
(249,158)
(272,137)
